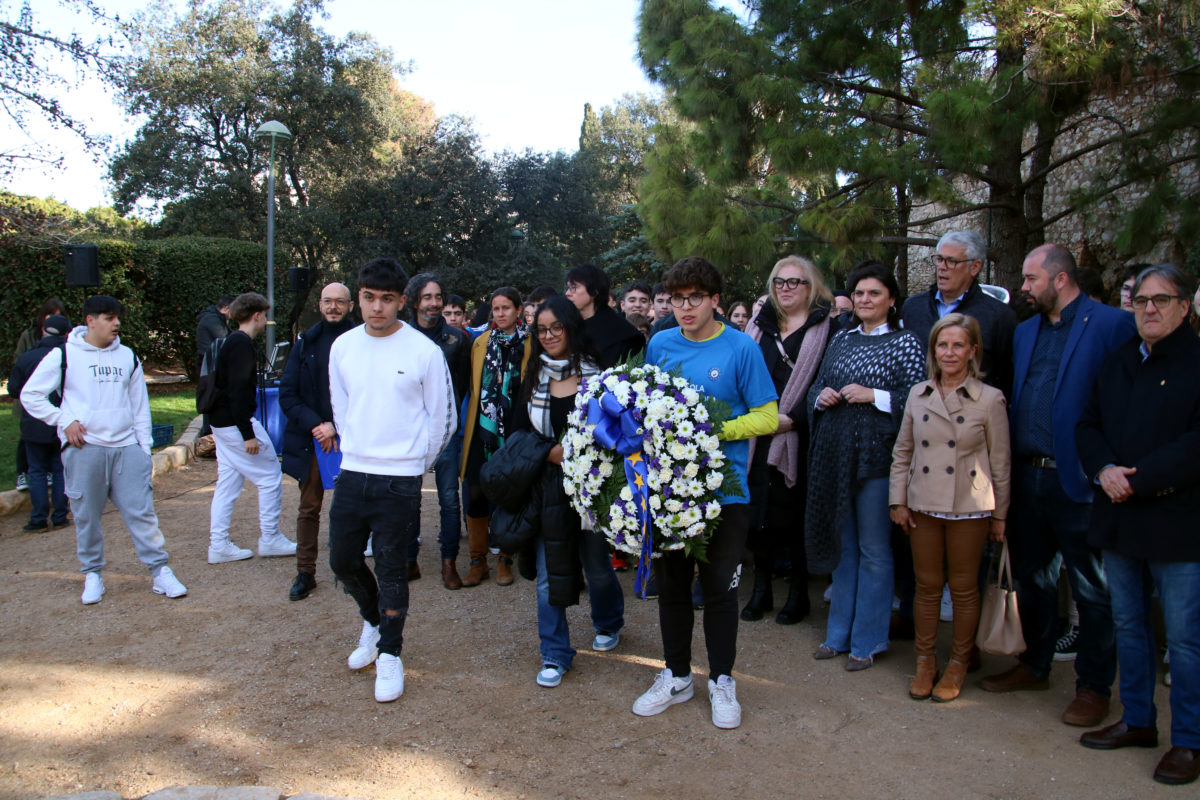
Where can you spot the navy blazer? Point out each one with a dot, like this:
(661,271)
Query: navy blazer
(1098,330)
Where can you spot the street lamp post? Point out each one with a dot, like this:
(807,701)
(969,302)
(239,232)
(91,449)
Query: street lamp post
(275,130)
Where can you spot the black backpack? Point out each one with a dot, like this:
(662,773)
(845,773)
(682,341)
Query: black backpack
(207,390)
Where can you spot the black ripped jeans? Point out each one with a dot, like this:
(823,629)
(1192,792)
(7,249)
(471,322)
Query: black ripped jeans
(390,507)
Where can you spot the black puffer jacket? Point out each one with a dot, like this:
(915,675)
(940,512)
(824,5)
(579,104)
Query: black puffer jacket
(528,492)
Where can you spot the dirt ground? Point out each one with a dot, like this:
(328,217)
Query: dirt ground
(236,685)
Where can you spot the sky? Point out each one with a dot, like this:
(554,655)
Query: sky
(521,69)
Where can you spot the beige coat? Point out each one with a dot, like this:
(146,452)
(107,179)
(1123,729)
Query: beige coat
(952,456)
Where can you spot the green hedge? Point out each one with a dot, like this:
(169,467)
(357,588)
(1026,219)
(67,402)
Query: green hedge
(163,284)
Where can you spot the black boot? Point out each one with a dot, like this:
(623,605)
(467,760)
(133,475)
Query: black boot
(761,600)
(797,606)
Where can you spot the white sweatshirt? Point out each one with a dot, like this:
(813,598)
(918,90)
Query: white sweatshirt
(393,404)
(105,392)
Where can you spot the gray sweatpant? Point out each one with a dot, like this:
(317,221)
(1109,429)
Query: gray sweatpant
(97,474)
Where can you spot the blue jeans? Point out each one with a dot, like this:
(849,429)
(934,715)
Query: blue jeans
(604,592)
(387,506)
(1132,581)
(43,460)
(860,607)
(445,473)
(1047,529)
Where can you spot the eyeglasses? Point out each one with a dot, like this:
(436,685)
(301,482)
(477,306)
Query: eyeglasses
(938,261)
(553,329)
(692,300)
(791,283)
(1161,301)
(329,301)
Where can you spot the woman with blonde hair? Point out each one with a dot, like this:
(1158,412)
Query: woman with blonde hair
(792,330)
(949,491)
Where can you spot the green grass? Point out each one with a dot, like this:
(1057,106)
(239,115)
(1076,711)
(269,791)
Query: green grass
(167,408)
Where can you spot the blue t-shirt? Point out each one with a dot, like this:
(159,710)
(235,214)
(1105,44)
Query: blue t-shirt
(730,367)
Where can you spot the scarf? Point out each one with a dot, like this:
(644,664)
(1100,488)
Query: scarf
(553,370)
(501,376)
(785,452)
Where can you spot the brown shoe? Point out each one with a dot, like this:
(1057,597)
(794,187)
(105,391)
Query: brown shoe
(477,537)
(504,573)
(1087,710)
(950,686)
(922,683)
(450,577)
(1120,735)
(1179,765)
(1016,679)
(414,571)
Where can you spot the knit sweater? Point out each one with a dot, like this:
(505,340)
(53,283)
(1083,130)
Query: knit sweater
(852,442)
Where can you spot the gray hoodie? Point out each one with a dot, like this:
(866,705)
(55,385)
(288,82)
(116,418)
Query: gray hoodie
(105,392)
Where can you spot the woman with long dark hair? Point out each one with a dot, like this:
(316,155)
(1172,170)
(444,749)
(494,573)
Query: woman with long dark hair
(857,402)
(792,331)
(498,359)
(561,357)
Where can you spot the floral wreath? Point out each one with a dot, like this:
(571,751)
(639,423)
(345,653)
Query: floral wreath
(664,496)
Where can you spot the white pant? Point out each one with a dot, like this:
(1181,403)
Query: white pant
(234,466)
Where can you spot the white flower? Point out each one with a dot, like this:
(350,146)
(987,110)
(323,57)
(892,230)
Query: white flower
(685,429)
(712,510)
(680,383)
(606,469)
(714,480)
(700,413)
(673,506)
(691,396)
(691,470)
(655,502)
(641,386)
(626,494)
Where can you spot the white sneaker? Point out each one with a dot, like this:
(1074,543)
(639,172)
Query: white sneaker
(666,692)
(227,551)
(389,678)
(93,588)
(22,482)
(166,583)
(275,545)
(722,693)
(368,647)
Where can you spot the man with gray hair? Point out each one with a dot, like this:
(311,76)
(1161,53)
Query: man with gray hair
(957,261)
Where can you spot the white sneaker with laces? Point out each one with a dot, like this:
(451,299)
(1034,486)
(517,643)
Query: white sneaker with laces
(93,588)
(603,642)
(389,678)
(166,583)
(22,482)
(275,545)
(666,692)
(227,551)
(722,693)
(368,647)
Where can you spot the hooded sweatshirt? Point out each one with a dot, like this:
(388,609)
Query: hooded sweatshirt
(105,392)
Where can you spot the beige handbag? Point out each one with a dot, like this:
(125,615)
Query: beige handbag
(999,621)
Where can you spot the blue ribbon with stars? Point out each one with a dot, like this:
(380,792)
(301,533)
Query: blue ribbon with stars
(618,428)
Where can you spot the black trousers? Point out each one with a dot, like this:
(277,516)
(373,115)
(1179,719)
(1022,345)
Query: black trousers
(719,578)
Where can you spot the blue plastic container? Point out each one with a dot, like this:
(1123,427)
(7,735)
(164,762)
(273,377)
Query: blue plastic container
(271,416)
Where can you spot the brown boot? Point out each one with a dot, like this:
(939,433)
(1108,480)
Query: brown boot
(951,683)
(450,577)
(504,573)
(922,683)
(477,539)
